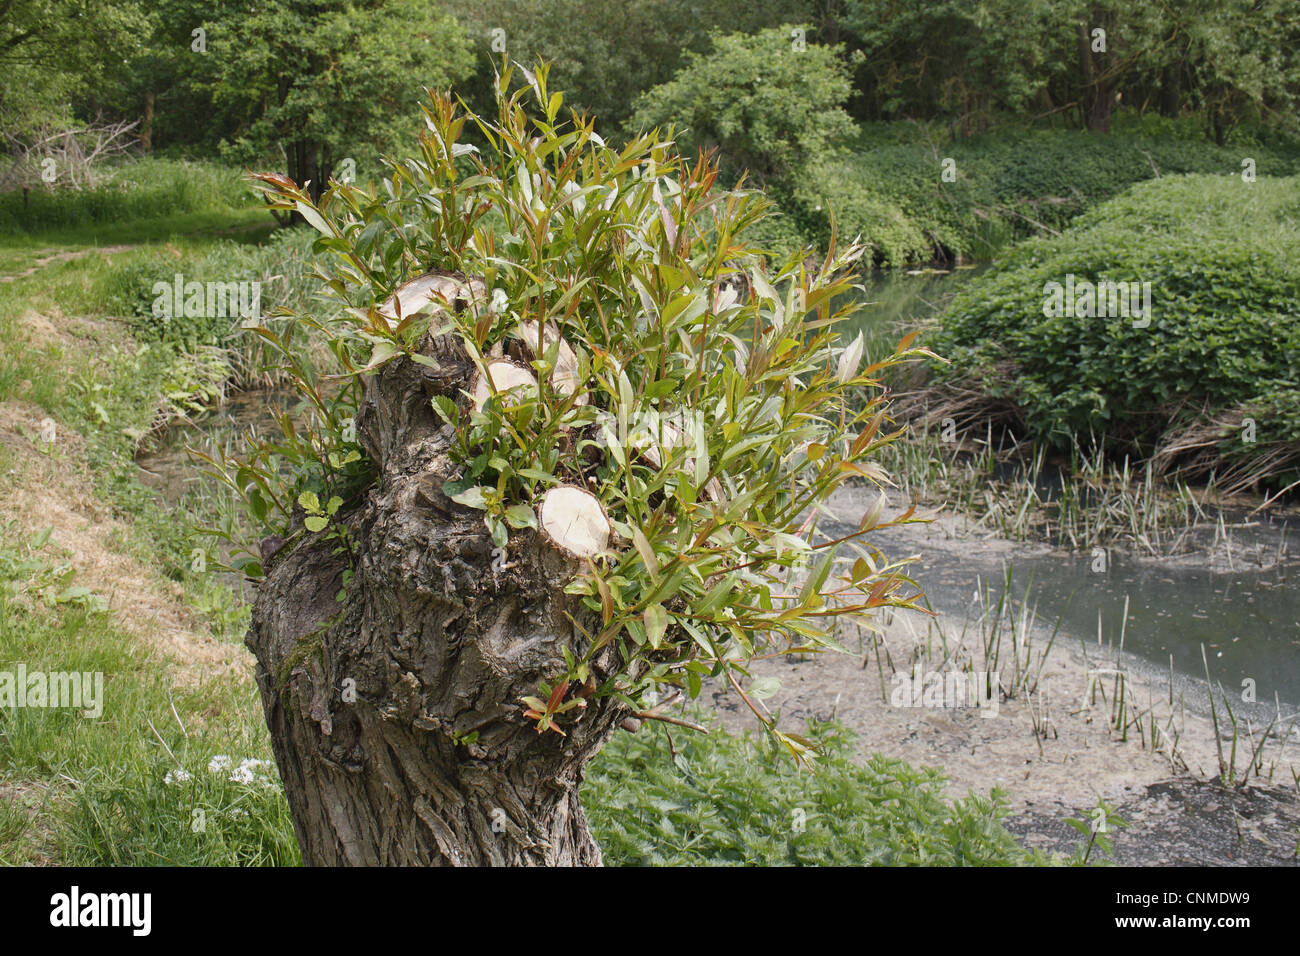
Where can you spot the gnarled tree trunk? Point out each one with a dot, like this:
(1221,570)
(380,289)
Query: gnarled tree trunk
(372,701)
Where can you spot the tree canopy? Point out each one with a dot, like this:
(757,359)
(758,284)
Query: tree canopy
(767,101)
(302,85)
(321,82)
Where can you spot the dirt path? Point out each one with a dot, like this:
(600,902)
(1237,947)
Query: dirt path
(50,487)
(47,257)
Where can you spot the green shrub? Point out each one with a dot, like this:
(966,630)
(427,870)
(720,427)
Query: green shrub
(1223,260)
(723,799)
(282,265)
(630,268)
(762,103)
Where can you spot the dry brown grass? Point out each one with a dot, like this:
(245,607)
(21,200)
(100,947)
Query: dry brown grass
(1195,451)
(925,402)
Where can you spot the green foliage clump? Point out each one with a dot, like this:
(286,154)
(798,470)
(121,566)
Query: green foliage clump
(1223,260)
(1095,832)
(723,800)
(283,267)
(768,102)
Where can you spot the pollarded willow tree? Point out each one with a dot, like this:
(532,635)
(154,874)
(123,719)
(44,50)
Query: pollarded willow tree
(570,458)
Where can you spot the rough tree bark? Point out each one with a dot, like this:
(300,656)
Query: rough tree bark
(1097,86)
(438,641)
(146,122)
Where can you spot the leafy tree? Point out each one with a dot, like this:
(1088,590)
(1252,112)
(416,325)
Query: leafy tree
(604,56)
(317,81)
(545,326)
(1230,60)
(1241,59)
(163,83)
(53,52)
(768,101)
(948,58)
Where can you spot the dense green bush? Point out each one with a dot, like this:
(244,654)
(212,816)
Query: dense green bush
(140,189)
(766,101)
(1012,184)
(282,265)
(1223,260)
(725,800)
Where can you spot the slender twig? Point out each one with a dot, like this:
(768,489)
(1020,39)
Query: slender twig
(651,715)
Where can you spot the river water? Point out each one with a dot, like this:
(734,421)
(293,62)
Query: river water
(1240,602)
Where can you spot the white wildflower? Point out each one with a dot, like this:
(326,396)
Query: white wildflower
(249,770)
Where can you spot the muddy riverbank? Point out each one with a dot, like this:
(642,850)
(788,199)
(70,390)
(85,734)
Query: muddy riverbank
(1059,740)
